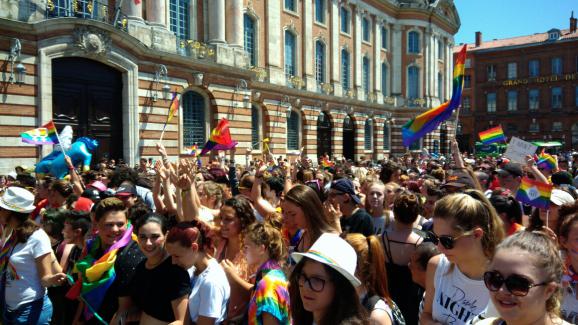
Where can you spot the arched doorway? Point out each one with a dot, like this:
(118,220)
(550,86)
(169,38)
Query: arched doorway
(348,138)
(324,129)
(87,95)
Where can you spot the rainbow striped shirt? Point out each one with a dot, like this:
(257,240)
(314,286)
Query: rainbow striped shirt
(270,295)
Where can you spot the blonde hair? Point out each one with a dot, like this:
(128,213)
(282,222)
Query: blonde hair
(269,236)
(469,210)
(547,258)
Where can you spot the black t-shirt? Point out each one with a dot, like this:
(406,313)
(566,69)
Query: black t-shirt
(127,260)
(153,290)
(360,222)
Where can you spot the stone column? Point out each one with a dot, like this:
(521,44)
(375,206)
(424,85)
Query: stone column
(156,12)
(308,72)
(426,73)
(377,60)
(335,64)
(216,21)
(357,52)
(132,9)
(396,67)
(435,68)
(449,64)
(235,23)
(275,39)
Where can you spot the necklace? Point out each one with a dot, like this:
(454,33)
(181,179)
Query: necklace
(152,266)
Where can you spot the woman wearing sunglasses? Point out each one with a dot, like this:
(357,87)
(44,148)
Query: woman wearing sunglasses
(466,229)
(523,280)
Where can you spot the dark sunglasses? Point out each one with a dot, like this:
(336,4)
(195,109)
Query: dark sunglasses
(314,283)
(516,284)
(448,242)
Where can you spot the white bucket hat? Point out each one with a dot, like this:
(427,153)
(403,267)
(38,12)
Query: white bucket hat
(333,251)
(17,199)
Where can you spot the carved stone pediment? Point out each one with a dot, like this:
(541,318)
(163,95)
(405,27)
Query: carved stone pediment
(92,41)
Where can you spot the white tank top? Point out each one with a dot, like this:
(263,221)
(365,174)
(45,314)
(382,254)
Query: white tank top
(458,299)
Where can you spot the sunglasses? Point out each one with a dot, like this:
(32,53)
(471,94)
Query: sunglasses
(314,283)
(516,284)
(448,242)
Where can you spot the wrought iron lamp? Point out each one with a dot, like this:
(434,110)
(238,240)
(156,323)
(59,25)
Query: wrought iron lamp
(242,86)
(161,75)
(286,102)
(15,52)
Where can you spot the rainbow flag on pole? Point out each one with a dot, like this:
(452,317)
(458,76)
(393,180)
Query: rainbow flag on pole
(173,108)
(220,138)
(430,120)
(192,150)
(46,134)
(534,193)
(495,134)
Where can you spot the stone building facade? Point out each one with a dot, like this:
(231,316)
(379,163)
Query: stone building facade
(527,84)
(330,76)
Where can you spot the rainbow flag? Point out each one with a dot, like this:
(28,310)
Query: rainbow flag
(220,138)
(495,134)
(546,161)
(173,108)
(534,193)
(46,134)
(326,163)
(97,275)
(192,150)
(430,120)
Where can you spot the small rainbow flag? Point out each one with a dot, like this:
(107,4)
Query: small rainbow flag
(326,163)
(495,134)
(430,120)
(220,138)
(173,108)
(546,161)
(192,150)
(534,193)
(46,134)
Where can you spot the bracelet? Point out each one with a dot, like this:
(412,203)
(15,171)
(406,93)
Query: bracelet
(70,168)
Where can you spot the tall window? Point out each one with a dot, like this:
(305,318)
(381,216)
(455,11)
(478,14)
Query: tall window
(368,134)
(413,42)
(440,87)
(293,131)
(386,138)
(491,102)
(512,70)
(365,29)
(290,54)
(383,38)
(249,38)
(319,62)
(556,126)
(467,81)
(345,74)
(534,99)
(384,79)
(557,65)
(556,97)
(255,127)
(534,68)
(491,70)
(291,5)
(440,49)
(180,18)
(413,82)
(320,11)
(194,131)
(345,20)
(512,100)
(534,127)
(366,72)
(466,104)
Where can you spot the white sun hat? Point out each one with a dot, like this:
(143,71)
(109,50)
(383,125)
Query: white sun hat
(17,199)
(333,251)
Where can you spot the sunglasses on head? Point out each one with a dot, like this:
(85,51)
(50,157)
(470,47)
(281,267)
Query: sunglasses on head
(448,242)
(516,284)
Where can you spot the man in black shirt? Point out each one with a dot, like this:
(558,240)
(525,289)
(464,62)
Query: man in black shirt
(354,219)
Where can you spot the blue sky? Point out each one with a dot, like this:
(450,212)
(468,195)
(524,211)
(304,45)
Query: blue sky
(498,19)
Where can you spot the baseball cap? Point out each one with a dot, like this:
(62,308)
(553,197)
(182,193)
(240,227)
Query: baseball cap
(513,169)
(335,252)
(459,179)
(126,189)
(345,185)
(98,185)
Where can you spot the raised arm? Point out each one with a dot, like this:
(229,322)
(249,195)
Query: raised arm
(75,179)
(533,168)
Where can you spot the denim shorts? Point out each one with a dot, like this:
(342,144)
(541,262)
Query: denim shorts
(38,312)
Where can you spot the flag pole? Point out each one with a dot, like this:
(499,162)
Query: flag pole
(59,142)
(457,121)
(163,133)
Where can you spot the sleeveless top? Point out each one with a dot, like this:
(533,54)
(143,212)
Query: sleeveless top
(402,289)
(458,299)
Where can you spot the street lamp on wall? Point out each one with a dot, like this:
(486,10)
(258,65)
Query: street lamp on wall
(242,86)
(15,52)
(161,75)
(286,103)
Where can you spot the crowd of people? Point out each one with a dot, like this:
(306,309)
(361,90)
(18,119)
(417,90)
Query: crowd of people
(407,240)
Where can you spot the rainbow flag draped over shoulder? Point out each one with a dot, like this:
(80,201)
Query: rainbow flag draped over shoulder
(534,193)
(430,120)
(220,138)
(42,135)
(97,275)
(546,161)
(173,108)
(495,134)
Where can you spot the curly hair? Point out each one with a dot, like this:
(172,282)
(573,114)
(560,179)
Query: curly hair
(269,236)
(243,210)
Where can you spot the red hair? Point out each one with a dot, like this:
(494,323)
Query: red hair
(190,232)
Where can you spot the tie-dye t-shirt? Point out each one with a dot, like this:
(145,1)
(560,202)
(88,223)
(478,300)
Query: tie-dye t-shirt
(270,295)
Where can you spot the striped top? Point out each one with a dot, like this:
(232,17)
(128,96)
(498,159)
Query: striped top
(270,295)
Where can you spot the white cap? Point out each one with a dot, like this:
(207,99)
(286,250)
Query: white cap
(17,199)
(560,197)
